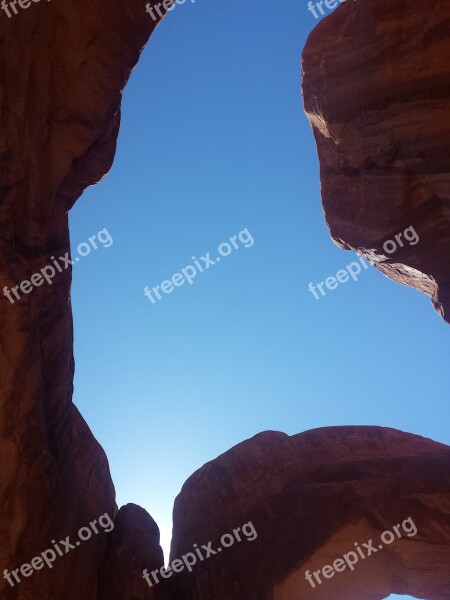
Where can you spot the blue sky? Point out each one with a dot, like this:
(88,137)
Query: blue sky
(214,140)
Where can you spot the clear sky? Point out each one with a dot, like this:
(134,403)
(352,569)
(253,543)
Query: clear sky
(214,140)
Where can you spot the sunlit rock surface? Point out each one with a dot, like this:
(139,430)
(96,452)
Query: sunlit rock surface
(376,86)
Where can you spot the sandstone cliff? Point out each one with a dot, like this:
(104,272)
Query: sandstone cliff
(63,66)
(376,86)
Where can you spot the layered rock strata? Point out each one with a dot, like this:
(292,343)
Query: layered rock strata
(376,87)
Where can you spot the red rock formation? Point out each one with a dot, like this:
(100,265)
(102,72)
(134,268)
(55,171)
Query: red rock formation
(134,546)
(376,86)
(63,67)
(310,497)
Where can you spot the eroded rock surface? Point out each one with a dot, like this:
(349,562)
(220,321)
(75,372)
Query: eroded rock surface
(63,66)
(376,86)
(310,497)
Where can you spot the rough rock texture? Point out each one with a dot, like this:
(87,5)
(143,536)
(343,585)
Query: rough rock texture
(310,498)
(63,66)
(376,90)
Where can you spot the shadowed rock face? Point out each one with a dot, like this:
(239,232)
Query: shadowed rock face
(63,66)
(133,547)
(376,90)
(310,497)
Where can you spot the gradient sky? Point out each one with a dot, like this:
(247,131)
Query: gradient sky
(214,140)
